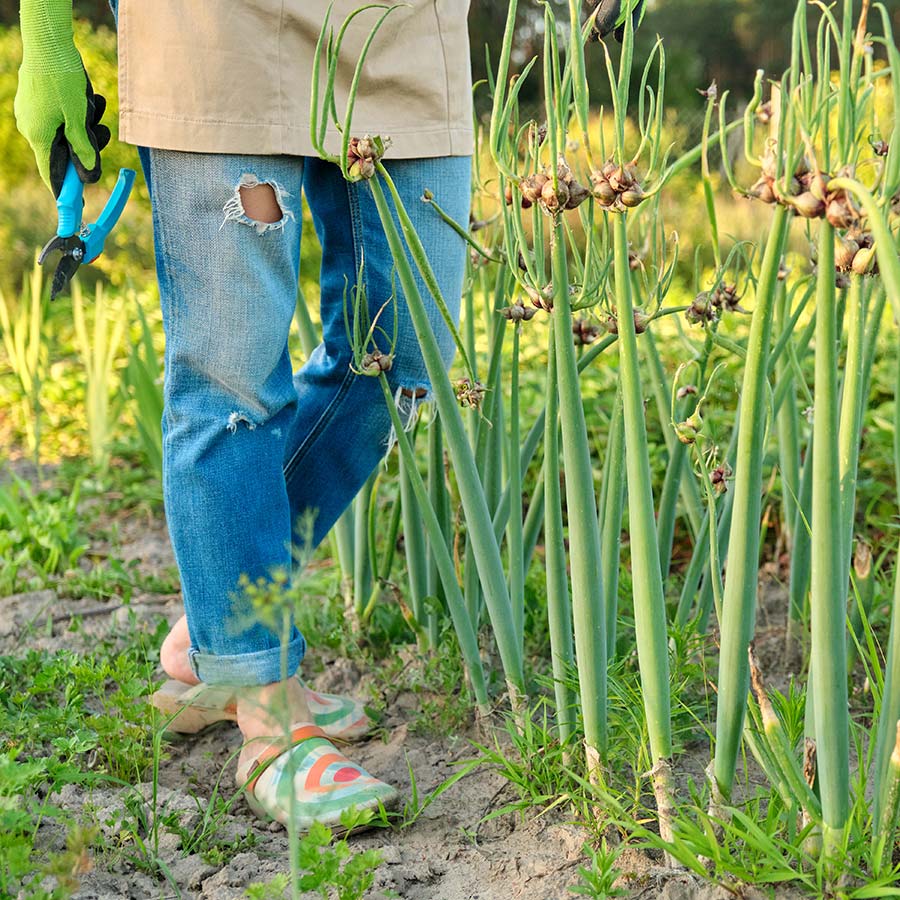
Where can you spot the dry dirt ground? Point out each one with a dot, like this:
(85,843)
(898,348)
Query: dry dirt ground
(449,853)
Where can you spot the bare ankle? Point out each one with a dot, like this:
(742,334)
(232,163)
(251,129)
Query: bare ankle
(173,655)
(271,709)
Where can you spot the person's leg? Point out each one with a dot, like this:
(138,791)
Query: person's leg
(227,236)
(342,426)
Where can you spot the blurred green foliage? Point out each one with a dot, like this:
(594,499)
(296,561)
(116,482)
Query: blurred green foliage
(705,40)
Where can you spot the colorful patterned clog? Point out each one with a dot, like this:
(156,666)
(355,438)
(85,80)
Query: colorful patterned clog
(324,783)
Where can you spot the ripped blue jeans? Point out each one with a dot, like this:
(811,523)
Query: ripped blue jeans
(250,447)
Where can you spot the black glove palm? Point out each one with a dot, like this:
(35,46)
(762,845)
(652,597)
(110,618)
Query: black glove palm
(61,151)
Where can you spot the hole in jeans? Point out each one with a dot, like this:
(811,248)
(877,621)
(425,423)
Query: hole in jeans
(259,204)
(239,418)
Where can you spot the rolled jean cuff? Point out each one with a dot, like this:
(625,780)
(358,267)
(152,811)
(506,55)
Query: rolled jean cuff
(261,667)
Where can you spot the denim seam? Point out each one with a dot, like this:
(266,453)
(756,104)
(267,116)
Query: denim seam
(357,229)
(328,412)
(169,281)
(172,330)
(317,429)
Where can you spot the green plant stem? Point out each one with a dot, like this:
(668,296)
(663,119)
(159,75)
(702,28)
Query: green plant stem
(800,557)
(514,528)
(674,483)
(788,428)
(534,519)
(414,552)
(782,753)
(889,810)
(559,609)
(851,414)
(362,563)
(715,566)
(828,597)
(613,504)
(381,571)
(584,533)
(480,249)
(700,555)
(649,597)
(488,452)
(440,502)
(739,602)
(533,438)
(686,487)
(886,735)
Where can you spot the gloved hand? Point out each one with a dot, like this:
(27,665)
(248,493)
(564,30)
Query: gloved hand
(56,109)
(610,14)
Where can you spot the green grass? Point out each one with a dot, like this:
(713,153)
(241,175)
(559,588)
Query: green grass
(67,719)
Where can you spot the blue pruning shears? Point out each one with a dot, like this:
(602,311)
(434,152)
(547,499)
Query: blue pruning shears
(78,242)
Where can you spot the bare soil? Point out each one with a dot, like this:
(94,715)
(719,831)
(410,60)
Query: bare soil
(449,853)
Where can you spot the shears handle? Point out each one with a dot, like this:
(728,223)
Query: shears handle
(70,203)
(106,221)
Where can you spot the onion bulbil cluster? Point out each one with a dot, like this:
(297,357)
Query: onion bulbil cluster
(362,155)
(518,312)
(616,187)
(610,323)
(470,394)
(807,195)
(584,332)
(707,307)
(855,252)
(810,198)
(568,193)
(375,363)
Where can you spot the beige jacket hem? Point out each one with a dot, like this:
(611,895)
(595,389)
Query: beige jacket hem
(198,136)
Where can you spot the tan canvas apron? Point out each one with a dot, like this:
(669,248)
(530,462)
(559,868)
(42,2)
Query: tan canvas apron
(233,76)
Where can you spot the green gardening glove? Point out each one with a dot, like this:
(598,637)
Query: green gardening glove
(56,109)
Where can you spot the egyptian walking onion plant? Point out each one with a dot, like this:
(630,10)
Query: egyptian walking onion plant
(576,234)
(811,168)
(541,187)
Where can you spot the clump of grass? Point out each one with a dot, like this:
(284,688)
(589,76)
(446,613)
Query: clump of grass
(41,535)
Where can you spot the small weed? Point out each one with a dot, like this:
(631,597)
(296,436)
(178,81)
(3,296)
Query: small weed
(534,762)
(205,838)
(330,868)
(443,705)
(597,881)
(275,889)
(416,805)
(75,861)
